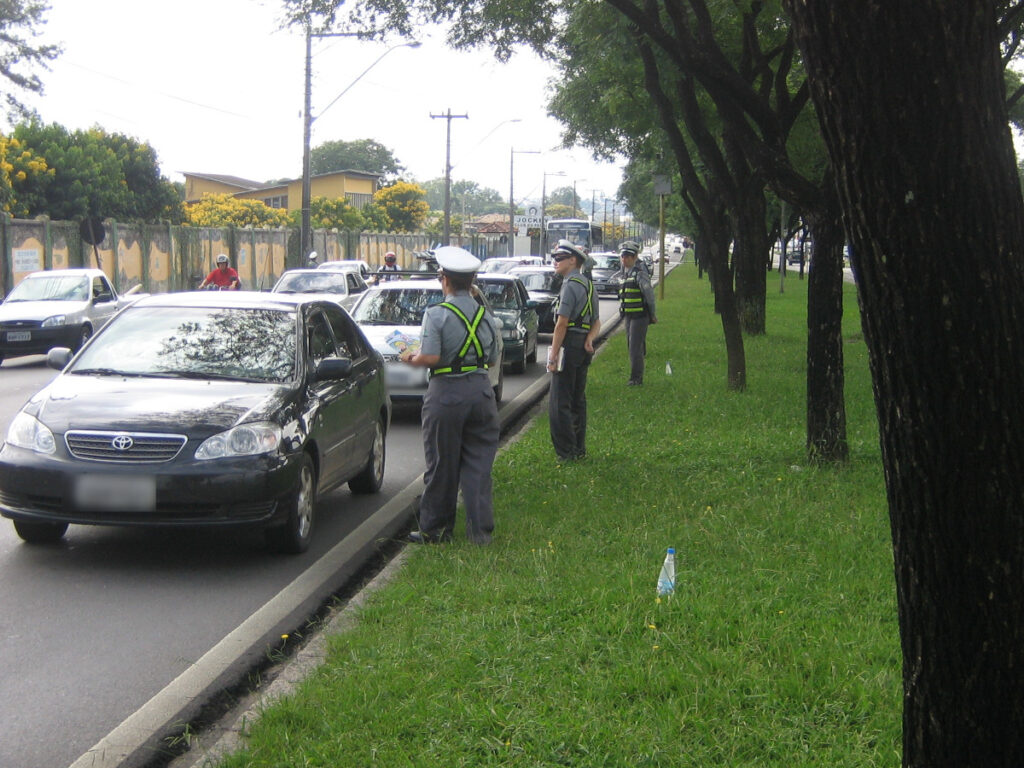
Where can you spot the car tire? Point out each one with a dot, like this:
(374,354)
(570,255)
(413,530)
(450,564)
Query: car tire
(294,536)
(38,532)
(371,478)
(532,357)
(500,387)
(519,365)
(83,336)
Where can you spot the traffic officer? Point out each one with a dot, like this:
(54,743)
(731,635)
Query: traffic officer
(577,322)
(459,340)
(636,305)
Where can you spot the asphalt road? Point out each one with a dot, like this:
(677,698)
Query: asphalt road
(95,629)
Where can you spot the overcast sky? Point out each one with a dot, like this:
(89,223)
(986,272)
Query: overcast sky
(214,86)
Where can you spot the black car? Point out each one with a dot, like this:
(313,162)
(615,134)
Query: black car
(607,273)
(201,409)
(542,284)
(517,313)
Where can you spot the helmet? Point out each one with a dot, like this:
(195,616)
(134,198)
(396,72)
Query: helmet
(565,248)
(630,247)
(222,258)
(313,256)
(390,258)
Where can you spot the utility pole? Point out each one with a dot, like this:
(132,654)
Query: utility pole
(446,236)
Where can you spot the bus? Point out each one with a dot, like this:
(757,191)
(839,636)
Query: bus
(579,232)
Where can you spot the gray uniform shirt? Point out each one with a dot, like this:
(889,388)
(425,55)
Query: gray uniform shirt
(444,333)
(573,298)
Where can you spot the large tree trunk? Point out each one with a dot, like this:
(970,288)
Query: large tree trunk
(725,305)
(826,410)
(751,245)
(910,98)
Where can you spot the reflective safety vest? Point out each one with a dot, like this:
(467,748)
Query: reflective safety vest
(631,298)
(457,365)
(588,308)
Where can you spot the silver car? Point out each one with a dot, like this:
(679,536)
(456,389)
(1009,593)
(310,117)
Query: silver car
(342,286)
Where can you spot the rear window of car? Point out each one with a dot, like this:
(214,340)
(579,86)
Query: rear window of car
(404,306)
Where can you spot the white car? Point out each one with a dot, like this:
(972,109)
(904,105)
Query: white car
(341,286)
(57,308)
(391,315)
(349,265)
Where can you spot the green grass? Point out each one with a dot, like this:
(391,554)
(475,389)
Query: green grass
(549,648)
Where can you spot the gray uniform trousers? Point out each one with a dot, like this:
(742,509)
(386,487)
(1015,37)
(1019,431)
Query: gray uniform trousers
(567,400)
(460,441)
(636,338)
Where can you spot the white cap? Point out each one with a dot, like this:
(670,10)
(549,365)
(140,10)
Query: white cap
(453,259)
(313,256)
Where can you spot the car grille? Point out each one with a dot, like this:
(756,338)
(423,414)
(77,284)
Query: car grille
(124,447)
(20,325)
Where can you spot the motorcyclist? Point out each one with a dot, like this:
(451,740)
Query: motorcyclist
(313,259)
(390,265)
(224,276)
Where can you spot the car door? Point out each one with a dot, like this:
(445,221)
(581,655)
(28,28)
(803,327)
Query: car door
(368,389)
(104,305)
(530,317)
(331,424)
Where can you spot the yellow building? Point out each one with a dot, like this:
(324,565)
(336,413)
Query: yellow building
(357,186)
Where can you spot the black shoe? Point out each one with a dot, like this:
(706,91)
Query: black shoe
(422,537)
(634,383)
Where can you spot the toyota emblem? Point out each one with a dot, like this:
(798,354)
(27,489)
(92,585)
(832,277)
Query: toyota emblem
(122,443)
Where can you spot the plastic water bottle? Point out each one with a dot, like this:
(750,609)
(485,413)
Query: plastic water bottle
(667,577)
(668,368)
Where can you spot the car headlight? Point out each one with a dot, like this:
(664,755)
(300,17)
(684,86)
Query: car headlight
(244,440)
(54,321)
(26,431)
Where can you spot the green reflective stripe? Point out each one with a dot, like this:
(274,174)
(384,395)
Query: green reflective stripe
(631,296)
(471,338)
(588,308)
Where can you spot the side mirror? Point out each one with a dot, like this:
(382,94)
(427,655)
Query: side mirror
(532,304)
(333,368)
(58,358)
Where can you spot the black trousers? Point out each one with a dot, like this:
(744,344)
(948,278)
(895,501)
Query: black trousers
(567,400)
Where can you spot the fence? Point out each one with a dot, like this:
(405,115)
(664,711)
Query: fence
(165,257)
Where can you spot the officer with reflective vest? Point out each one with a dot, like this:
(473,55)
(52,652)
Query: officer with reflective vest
(577,322)
(459,341)
(636,305)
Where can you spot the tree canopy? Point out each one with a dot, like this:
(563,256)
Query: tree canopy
(360,155)
(21,57)
(404,204)
(224,210)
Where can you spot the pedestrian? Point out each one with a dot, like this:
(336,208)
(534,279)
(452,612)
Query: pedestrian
(224,276)
(577,322)
(636,305)
(312,259)
(390,265)
(459,341)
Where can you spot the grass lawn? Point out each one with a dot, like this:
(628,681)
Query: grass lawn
(549,648)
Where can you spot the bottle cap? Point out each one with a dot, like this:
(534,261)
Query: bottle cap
(671,550)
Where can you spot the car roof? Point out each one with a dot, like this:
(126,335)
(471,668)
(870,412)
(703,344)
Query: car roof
(397,285)
(76,272)
(337,274)
(531,268)
(232,299)
(497,277)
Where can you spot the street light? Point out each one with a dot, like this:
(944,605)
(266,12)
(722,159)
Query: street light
(574,196)
(306,233)
(511,197)
(543,212)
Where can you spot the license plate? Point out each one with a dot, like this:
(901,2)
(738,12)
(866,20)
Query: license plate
(19,335)
(116,493)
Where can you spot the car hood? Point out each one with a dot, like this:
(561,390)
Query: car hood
(39,310)
(155,405)
(542,296)
(388,339)
(604,274)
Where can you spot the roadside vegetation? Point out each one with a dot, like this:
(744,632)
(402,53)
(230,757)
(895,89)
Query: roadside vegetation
(780,646)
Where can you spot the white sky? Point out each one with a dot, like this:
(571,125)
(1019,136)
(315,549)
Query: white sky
(215,87)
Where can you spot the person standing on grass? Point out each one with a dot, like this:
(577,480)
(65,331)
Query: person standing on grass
(636,305)
(460,340)
(577,322)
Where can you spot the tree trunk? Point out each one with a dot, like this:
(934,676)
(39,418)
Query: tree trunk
(751,245)
(910,98)
(826,410)
(725,305)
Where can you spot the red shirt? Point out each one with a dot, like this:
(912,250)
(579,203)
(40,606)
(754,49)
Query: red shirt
(223,278)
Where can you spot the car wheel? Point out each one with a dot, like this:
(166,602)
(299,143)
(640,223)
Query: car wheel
(532,357)
(371,478)
(35,532)
(84,336)
(519,365)
(499,387)
(294,536)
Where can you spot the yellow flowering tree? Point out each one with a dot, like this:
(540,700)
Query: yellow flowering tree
(19,165)
(404,204)
(227,211)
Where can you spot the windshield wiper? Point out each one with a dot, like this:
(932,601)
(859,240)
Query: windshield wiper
(104,372)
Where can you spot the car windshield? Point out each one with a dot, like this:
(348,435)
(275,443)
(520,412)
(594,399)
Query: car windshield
(499,266)
(195,342)
(51,288)
(403,306)
(607,262)
(538,281)
(500,295)
(312,282)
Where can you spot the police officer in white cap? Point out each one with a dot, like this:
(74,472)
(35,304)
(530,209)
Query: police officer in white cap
(459,341)
(636,306)
(577,322)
